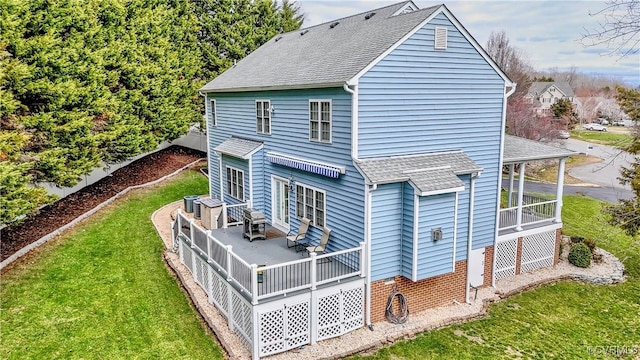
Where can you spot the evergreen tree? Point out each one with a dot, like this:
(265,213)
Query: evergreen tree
(626,213)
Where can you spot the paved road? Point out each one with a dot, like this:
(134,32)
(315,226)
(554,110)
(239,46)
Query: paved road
(601,193)
(605,173)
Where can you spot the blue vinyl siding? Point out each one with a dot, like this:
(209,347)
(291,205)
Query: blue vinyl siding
(435,257)
(259,181)
(419,100)
(408,200)
(463,219)
(386,231)
(290,135)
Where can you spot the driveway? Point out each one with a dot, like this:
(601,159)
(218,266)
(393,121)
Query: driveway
(604,173)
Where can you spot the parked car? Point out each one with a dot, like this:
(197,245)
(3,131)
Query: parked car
(602,121)
(563,134)
(619,123)
(595,127)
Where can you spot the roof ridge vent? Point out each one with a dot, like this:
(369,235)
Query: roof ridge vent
(334,24)
(304,32)
(369,15)
(278,38)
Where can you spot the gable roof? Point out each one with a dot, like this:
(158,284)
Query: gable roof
(517,149)
(329,54)
(539,87)
(429,173)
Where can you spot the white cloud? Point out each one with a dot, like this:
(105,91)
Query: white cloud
(549,32)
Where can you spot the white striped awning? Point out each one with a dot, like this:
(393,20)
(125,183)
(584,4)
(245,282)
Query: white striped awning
(312,166)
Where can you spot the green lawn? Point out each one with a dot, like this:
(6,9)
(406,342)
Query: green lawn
(566,320)
(102,291)
(602,137)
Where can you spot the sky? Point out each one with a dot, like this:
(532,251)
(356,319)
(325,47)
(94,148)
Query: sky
(548,32)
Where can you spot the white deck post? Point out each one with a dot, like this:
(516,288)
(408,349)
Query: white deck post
(224,216)
(362,260)
(512,168)
(254,284)
(229,278)
(520,196)
(559,189)
(313,270)
(191,226)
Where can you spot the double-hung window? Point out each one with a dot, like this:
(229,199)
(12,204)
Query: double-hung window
(311,203)
(320,120)
(263,116)
(235,183)
(212,112)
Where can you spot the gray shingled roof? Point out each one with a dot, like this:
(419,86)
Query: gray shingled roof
(238,147)
(427,172)
(517,149)
(539,87)
(323,56)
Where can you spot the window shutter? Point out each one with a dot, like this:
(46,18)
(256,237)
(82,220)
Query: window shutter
(441,38)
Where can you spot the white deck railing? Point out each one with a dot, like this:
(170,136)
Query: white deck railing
(531,214)
(262,282)
(232,214)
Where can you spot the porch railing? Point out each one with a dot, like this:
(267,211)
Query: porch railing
(262,282)
(234,214)
(532,213)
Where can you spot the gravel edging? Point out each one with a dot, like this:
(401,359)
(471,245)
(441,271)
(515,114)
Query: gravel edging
(77,220)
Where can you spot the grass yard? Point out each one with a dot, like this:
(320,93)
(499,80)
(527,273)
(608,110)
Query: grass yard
(566,320)
(602,137)
(102,290)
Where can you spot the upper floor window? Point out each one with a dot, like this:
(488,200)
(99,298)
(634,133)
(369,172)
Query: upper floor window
(320,120)
(263,116)
(235,183)
(310,203)
(212,112)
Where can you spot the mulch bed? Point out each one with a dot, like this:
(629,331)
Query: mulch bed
(65,210)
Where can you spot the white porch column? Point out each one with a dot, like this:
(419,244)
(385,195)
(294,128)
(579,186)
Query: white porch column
(511,172)
(520,196)
(559,188)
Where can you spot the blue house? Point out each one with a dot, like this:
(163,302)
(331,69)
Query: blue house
(386,127)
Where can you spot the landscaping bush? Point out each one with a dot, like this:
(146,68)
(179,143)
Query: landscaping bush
(576,239)
(591,244)
(580,255)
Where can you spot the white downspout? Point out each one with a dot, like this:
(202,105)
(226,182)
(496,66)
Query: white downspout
(208,131)
(220,175)
(354,119)
(499,183)
(367,239)
(472,196)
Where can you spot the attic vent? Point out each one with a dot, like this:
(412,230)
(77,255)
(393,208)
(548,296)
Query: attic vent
(278,38)
(304,32)
(334,24)
(369,15)
(441,38)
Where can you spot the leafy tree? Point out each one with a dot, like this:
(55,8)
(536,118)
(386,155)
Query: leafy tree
(543,79)
(90,82)
(626,213)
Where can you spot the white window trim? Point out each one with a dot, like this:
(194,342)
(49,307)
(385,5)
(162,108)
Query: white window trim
(237,189)
(304,197)
(319,140)
(214,112)
(270,119)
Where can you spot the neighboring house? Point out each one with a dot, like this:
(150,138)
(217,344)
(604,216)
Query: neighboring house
(543,94)
(388,128)
(591,108)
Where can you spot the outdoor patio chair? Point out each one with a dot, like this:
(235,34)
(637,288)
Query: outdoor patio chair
(298,239)
(323,243)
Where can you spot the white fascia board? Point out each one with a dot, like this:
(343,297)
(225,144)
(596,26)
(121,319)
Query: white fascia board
(269,88)
(250,154)
(528,232)
(443,191)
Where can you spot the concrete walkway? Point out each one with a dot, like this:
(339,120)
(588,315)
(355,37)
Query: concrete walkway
(381,334)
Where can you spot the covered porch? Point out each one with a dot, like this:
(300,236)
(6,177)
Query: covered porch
(520,210)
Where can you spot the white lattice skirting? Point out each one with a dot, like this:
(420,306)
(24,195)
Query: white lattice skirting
(538,251)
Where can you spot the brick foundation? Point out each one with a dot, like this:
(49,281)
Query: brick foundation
(421,295)
(488,265)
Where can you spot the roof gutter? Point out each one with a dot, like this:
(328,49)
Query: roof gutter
(353,90)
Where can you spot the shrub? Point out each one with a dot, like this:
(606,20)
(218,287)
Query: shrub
(580,255)
(576,239)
